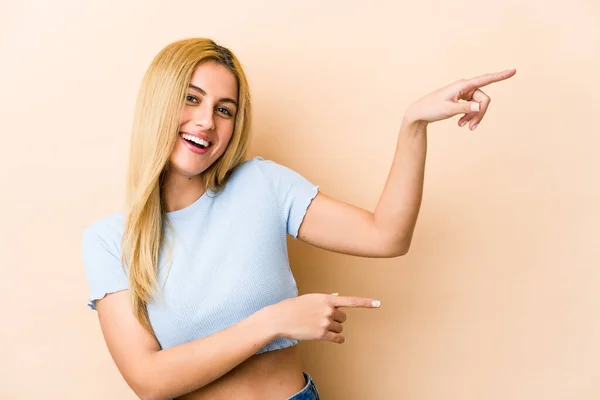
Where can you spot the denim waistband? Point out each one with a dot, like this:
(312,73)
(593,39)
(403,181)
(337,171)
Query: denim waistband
(309,392)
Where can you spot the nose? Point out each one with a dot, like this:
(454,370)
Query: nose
(204,119)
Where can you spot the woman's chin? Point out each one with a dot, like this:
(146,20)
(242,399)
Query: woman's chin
(186,170)
(193,172)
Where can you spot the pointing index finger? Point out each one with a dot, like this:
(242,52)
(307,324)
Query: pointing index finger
(354,302)
(487,79)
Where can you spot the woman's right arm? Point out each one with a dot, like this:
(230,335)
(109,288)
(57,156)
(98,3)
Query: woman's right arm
(153,373)
(161,374)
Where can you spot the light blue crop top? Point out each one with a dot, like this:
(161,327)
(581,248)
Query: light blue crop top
(229,255)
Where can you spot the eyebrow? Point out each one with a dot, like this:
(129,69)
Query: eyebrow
(223,100)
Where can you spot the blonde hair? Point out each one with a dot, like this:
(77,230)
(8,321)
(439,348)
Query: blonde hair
(154,135)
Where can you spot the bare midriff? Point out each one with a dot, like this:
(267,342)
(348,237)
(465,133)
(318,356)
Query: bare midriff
(273,375)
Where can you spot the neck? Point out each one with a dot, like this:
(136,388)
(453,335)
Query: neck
(179,191)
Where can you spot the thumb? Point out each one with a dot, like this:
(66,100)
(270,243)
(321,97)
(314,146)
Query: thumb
(469,106)
(465,107)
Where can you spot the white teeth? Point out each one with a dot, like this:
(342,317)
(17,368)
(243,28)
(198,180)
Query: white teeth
(194,139)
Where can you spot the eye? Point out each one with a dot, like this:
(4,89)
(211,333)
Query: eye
(225,111)
(192,99)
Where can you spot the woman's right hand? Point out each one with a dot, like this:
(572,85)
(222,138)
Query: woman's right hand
(314,316)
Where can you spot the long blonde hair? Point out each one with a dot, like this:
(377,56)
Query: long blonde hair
(154,135)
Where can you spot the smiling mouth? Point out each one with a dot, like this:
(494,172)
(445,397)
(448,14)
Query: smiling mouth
(197,142)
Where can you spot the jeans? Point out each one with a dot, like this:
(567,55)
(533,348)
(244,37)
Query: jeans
(309,392)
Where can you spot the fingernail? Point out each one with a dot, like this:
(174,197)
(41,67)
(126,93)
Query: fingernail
(474,127)
(335,294)
(376,303)
(474,106)
(463,123)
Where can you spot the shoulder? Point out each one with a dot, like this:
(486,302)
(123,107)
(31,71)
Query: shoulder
(266,170)
(107,230)
(253,165)
(253,171)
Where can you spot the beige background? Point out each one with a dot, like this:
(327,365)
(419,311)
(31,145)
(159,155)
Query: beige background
(499,295)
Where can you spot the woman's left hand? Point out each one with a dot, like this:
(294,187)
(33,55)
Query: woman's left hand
(445,102)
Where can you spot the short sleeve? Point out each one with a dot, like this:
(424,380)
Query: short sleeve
(102,264)
(293,192)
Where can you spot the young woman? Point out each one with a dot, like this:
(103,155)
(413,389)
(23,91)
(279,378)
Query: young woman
(191,280)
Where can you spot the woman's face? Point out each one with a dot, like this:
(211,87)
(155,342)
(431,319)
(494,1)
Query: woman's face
(207,119)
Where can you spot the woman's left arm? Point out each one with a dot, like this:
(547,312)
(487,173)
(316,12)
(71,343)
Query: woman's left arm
(341,227)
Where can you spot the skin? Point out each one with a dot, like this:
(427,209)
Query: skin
(223,366)
(209,110)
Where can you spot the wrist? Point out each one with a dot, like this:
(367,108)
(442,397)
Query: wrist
(412,120)
(413,126)
(268,323)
